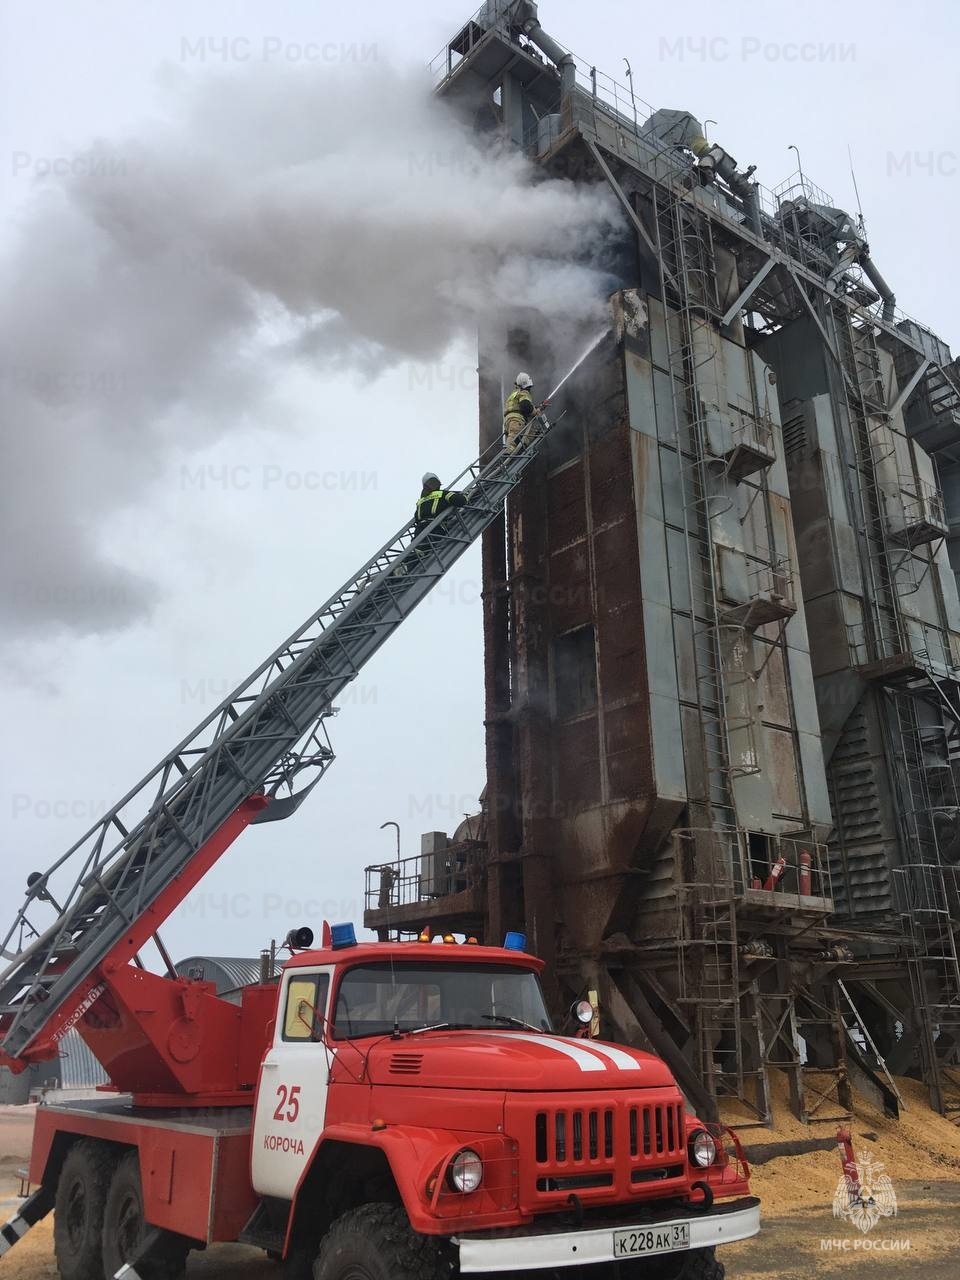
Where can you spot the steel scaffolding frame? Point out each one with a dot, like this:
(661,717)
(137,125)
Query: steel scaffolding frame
(745,1004)
(927,889)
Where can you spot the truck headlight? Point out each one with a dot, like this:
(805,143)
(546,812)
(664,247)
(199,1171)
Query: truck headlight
(702,1149)
(466,1171)
(583,1011)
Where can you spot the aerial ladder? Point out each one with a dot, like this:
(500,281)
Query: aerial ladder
(253,759)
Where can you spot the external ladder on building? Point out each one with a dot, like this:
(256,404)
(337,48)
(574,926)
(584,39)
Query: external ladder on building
(263,748)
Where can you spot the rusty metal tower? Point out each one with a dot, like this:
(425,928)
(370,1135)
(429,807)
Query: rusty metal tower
(718,612)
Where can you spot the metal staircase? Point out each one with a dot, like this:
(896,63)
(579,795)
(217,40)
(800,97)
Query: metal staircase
(932,411)
(929,894)
(267,739)
(730,1044)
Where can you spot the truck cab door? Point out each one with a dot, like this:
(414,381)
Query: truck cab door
(292,1091)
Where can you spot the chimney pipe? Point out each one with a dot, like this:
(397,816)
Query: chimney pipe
(555,52)
(886,293)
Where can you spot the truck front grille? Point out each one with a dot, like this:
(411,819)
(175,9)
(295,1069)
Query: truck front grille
(562,1136)
(655,1130)
(601,1148)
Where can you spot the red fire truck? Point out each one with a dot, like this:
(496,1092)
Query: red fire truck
(381,1111)
(386,1110)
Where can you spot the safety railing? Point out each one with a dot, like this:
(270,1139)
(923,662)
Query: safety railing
(927,890)
(799,187)
(443,65)
(923,504)
(424,878)
(926,647)
(736,863)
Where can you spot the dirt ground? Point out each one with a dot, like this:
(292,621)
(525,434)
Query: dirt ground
(800,1236)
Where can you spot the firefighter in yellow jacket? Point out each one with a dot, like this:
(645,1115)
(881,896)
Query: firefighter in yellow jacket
(434,499)
(519,412)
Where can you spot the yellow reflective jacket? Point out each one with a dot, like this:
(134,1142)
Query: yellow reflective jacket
(519,401)
(431,504)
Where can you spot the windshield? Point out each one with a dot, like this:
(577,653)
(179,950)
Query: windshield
(374,999)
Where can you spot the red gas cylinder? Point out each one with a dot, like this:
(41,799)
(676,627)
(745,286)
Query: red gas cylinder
(806,874)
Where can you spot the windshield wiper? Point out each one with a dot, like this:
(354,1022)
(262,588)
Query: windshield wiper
(468,1026)
(513,1022)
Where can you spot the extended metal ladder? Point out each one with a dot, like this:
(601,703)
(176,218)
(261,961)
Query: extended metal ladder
(264,739)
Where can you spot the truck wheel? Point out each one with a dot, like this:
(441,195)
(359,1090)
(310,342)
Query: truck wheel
(124,1228)
(78,1211)
(376,1242)
(699,1264)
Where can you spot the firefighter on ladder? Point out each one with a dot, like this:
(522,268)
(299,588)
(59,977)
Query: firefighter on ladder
(519,412)
(434,499)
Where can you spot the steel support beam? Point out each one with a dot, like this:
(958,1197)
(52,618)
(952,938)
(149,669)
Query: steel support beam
(743,233)
(827,342)
(631,1010)
(748,292)
(908,389)
(621,195)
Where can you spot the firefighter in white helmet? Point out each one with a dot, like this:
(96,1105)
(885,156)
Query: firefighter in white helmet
(519,412)
(434,499)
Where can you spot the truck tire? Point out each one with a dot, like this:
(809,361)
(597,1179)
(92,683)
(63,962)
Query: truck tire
(376,1242)
(698,1264)
(124,1227)
(703,1265)
(78,1210)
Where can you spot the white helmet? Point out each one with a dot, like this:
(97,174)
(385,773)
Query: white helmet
(429,477)
(524,381)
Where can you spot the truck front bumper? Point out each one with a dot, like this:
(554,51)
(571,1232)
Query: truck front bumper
(530,1248)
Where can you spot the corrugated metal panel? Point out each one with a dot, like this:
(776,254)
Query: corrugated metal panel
(79,1069)
(228,972)
(859,847)
(15,1090)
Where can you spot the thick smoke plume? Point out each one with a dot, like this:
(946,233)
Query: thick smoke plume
(344,221)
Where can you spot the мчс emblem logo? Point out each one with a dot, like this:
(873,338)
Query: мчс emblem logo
(865,1193)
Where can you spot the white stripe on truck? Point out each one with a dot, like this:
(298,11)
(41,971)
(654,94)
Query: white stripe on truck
(585,1053)
(569,1048)
(623,1061)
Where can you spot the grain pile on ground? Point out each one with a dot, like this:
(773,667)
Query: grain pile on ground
(920,1146)
(921,1154)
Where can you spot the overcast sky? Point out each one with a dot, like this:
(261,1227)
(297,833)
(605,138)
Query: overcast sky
(236,525)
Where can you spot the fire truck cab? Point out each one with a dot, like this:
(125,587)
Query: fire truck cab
(414,1116)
